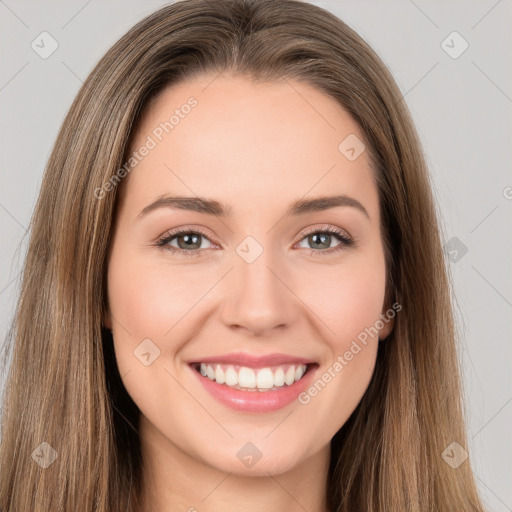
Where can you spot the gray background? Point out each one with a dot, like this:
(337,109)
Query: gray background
(462,108)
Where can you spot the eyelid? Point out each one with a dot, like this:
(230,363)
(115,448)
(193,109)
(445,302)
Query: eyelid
(329,228)
(172,233)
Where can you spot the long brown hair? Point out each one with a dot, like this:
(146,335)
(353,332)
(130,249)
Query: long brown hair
(63,386)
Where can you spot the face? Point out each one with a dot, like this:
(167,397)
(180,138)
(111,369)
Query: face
(258,292)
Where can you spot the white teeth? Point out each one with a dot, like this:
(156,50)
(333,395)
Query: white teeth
(220,376)
(231,377)
(265,378)
(289,376)
(210,372)
(246,378)
(262,379)
(279,377)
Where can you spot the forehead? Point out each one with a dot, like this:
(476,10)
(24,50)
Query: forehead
(228,137)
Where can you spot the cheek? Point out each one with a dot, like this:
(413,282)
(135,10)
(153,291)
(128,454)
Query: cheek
(150,301)
(348,300)
(348,297)
(148,298)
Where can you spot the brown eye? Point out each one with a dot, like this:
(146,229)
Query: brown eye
(188,241)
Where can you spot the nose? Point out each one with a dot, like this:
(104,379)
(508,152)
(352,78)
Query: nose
(257,297)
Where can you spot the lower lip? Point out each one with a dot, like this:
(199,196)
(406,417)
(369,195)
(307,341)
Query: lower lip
(257,401)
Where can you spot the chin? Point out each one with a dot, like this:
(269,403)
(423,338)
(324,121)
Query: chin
(247,460)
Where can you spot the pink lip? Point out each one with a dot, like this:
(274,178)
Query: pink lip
(257,401)
(253,361)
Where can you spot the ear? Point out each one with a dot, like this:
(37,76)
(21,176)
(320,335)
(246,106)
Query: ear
(389,324)
(387,318)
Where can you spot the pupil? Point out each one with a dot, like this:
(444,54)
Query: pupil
(188,240)
(325,238)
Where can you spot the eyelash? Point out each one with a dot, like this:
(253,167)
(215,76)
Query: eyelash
(345,240)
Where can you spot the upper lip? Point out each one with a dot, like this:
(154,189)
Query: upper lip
(253,361)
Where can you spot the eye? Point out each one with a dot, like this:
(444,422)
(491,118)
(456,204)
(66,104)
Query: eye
(320,240)
(188,242)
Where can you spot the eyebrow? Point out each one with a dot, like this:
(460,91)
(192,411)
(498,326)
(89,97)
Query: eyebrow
(212,207)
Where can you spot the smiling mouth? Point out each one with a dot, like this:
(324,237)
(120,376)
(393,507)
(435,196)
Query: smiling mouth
(243,378)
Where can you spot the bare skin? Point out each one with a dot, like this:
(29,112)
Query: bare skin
(256,149)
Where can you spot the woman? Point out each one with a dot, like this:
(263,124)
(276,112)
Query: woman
(235,294)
